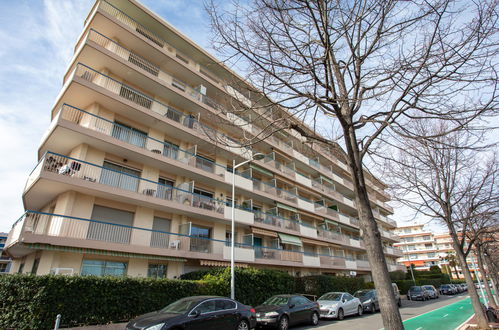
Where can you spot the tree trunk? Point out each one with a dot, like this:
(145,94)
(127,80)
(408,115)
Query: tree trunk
(492,301)
(475,300)
(372,239)
(492,272)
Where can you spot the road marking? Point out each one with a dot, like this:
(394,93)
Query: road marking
(446,315)
(461,307)
(419,328)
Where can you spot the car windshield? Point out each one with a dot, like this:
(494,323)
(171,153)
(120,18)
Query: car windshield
(331,296)
(445,286)
(277,300)
(362,293)
(428,288)
(181,306)
(415,288)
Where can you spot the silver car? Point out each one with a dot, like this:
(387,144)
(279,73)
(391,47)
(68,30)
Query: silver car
(337,305)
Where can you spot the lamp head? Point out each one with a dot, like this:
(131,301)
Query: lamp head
(258,156)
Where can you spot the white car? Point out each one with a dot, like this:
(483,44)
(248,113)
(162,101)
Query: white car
(337,305)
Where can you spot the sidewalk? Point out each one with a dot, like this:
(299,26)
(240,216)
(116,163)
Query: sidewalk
(114,326)
(471,324)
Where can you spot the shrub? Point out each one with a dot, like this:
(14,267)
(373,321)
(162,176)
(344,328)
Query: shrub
(319,284)
(397,275)
(33,302)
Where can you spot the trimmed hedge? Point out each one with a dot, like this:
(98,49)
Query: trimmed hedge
(33,302)
(319,284)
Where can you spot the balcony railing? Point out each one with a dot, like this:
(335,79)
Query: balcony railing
(145,101)
(139,139)
(76,168)
(276,221)
(56,225)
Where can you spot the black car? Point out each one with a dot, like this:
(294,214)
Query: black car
(369,300)
(201,312)
(281,311)
(446,289)
(418,293)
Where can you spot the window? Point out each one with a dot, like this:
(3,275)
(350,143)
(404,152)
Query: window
(407,230)
(21,268)
(120,176)
(224,304)
(4,268)
(103,267)
(165,188)
(427,237)
(409,239)
(348,296)
(35,266)
(157,270)
(206,307)
(129,134)
(301,301)
(431,255)
(117,226)
(200,239)
(160,237)
(170,150)
(203,192)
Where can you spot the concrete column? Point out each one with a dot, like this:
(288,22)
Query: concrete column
(144,218)
(137,267)
(175,269)
(46,262)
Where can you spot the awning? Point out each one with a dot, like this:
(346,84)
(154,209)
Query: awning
(101,252)
(331,222)
(285,207)
(261,170)
(214,263)
(290,239)
(349,228)
(314,242)
(263,232)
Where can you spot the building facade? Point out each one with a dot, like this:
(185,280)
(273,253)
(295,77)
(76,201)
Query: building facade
(4,258)
(423,249)
(132,178)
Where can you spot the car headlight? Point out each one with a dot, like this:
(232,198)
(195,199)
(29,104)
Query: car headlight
(271,314)
(155,327)
(367,302)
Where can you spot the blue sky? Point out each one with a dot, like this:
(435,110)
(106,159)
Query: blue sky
(37,39)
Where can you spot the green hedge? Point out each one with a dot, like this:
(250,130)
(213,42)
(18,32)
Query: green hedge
(33,302)
(319,284)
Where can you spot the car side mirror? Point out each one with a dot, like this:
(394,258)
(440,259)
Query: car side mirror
(291,305)
(343,300)
(195,313)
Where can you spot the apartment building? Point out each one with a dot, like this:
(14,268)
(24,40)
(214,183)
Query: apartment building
(4,258)
(132,178)
(418,247)
(424,249)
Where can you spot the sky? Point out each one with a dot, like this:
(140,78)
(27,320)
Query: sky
(38,39)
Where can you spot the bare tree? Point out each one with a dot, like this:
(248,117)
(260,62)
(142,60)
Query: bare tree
(354,69)
(448,179)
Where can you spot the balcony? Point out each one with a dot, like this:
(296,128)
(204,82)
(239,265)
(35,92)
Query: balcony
(142,100)
(77,172)
(275,222)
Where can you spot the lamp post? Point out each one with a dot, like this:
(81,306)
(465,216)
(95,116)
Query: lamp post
(256,156)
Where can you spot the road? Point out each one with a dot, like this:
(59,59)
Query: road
(412,312)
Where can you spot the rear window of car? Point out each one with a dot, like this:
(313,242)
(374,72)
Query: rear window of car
(415,288)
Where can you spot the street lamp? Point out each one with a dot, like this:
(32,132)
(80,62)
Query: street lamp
(256,156)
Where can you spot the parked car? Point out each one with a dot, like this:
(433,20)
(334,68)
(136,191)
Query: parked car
(464,286)
(369,300)
(446,289)
(200,312)
(397,294)
(457,288)
(281,311)
(432,292)
(418,293)
(337,305)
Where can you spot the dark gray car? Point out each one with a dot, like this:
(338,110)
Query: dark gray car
(369,300)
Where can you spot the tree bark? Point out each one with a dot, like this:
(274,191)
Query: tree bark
(372,239)
(475,300)
(492,273)
(483,272)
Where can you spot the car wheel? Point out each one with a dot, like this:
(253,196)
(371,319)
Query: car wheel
(314,319)
(373,308)
(360,310)
(341,314)
(283,323)
(243,325)
(399,303)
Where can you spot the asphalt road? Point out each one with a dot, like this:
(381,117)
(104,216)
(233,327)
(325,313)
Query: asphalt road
(409,309)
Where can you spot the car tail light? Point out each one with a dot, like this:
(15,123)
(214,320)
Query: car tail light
(252,310)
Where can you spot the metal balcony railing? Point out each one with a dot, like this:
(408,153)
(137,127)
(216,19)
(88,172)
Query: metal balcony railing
(276,221)
(139,139)
(76,168)
(143,100)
